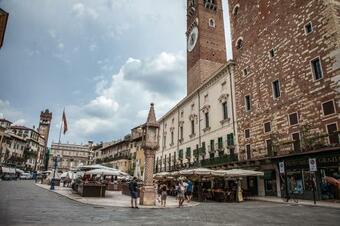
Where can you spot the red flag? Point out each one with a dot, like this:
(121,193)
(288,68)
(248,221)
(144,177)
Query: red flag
(64,122)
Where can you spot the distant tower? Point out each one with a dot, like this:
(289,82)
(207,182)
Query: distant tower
(44,125)
(3,24)
(206,51)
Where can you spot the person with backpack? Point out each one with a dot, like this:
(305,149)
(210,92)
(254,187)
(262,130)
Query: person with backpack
(133,187)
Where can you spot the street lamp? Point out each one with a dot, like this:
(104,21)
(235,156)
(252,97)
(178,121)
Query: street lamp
(56,159)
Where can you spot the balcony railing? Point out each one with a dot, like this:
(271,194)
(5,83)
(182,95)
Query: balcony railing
(219,160)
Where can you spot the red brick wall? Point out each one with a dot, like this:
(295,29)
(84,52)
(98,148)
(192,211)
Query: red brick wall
(279,24)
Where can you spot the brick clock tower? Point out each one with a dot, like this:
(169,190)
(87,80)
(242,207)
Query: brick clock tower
(44,125)
(44,128)
(206,48)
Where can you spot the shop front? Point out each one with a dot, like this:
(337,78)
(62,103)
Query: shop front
(303,182)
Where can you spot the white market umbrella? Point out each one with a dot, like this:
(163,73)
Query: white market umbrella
(137,173)
(19,171)
(197,171)
(96,166)
(237,173)
(104,172)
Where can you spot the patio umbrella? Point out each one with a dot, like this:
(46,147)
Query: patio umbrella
(161,175)
(237,173)
(137,173)
(197,172)
(96,166)
(104,172)
(19,171)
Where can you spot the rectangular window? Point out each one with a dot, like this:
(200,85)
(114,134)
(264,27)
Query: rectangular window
(203,146)
(247,133)
(248,151)
(247,101)
(296,139)
(207,120)
(328,108)
(220,143)
(230,139)
(317,69)
(333,135)
(181,132)
(267,127)
(308,28)
(192,126)
(212,145)
(293,119)
(188,154)
(225,110)
(164,141)
(276,89)
(172,137)
(245,71)
(269,145)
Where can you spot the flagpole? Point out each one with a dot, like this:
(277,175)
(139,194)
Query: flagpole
(61,126)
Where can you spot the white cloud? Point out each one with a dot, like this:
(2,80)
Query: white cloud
(20,122)
(8,112)
(123,102)
(80,10)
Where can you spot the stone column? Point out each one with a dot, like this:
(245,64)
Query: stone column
(150,145)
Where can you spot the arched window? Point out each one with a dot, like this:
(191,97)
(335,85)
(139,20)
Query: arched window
(236,9)
(212,22)
(239,43)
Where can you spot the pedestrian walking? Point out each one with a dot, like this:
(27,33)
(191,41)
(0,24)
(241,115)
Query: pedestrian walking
(164,195)
(181,192)
(189,190)
(133,187)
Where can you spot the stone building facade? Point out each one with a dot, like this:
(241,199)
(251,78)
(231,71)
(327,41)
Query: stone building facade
(287,75)
(72,156)
(287,72)
(23,147)
(201,129)
(44,131)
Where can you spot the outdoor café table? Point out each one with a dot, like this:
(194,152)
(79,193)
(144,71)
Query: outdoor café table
(91,190)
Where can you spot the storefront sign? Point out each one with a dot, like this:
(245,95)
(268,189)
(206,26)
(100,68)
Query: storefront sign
(282,167)
(312,165)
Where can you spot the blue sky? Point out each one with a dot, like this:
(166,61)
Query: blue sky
(103,60)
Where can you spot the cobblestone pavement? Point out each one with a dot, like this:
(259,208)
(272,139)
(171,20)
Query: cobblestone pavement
(23,203)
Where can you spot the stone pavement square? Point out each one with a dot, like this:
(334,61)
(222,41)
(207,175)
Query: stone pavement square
(24,203)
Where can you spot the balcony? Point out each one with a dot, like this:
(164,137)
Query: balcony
(219,160)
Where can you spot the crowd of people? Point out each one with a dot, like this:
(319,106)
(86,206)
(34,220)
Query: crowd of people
(182,189)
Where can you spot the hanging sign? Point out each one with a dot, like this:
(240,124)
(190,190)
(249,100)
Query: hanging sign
(312,165)
(282,167)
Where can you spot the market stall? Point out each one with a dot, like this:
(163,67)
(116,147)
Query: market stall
(217,185)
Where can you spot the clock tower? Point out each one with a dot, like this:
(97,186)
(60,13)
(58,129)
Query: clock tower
(45,124)
(206,48)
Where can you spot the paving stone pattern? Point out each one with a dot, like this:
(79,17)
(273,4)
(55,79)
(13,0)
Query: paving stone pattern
(23,203)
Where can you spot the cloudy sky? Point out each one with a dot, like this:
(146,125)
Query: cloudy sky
(103,61)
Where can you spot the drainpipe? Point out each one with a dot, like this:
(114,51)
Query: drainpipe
(232,102)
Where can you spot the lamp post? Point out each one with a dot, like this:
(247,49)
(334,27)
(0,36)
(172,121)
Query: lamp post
(56,159)
(149,145)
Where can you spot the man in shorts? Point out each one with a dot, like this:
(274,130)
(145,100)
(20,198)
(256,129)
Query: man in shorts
(189,190)
(133,187)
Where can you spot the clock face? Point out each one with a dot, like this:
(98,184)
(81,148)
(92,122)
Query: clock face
(192,39)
